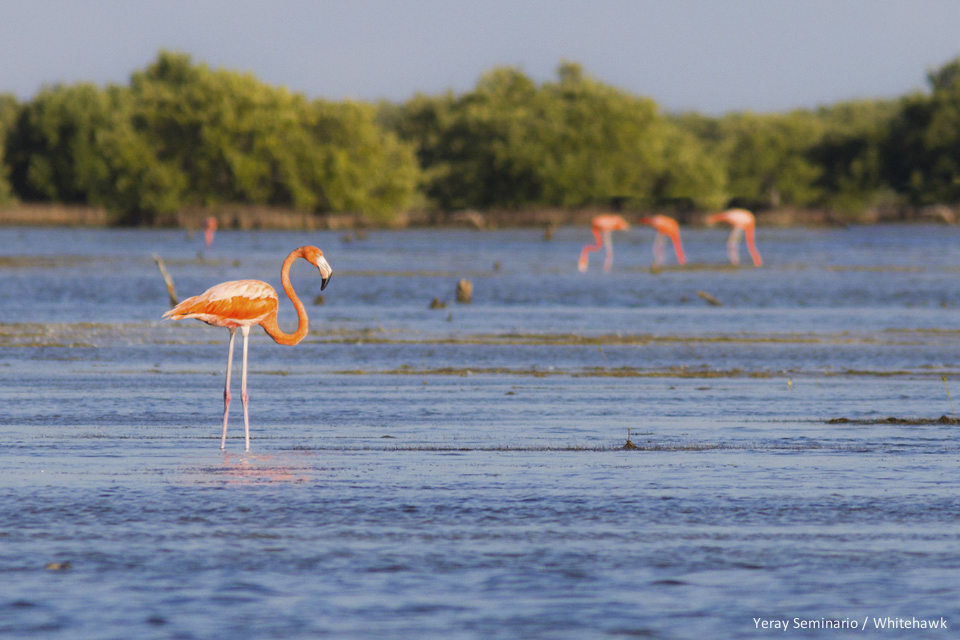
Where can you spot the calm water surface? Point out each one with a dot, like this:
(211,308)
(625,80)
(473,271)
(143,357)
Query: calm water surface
(459,473)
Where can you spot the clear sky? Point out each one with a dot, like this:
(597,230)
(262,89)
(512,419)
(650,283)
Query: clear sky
(710,56)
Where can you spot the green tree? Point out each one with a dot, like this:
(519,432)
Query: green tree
(55,150)
(571,143)
(230,138)
(356,164)
(9,109)
(768,158)
(922,157)
(850,154)
(693,178)
(942,136)
(598,142)
(423,122)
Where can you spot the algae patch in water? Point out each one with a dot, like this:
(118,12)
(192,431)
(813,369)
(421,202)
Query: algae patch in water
(944,419)
(875,268)
(589,372)
(682,447)
(373,336)
(45,262)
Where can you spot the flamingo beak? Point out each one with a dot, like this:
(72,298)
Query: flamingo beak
(325,272)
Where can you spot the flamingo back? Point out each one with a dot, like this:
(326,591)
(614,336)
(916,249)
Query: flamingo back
(610,222)
(736,217)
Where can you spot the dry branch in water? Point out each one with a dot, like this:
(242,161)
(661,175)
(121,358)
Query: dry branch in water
(171,290)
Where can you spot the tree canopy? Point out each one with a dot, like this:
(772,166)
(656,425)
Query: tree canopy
(183,134)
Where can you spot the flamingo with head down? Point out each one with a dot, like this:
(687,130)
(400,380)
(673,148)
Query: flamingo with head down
(603,227)
(666,227)
(744,224)
(243,304)
(210,227)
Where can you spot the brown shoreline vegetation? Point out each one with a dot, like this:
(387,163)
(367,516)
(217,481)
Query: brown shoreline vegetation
(247,217)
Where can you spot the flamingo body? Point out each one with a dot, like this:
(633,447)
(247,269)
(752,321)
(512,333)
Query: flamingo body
(666,227)
(603,227)
(241,304)
(743,223)
(229,304)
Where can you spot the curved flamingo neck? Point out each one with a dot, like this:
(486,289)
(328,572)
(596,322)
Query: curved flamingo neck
(590,248)
(270,323)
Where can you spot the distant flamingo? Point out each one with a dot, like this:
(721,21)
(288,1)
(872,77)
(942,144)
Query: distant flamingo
(210,227)
(243,304)
(666,227)
(603,227)
(743,224)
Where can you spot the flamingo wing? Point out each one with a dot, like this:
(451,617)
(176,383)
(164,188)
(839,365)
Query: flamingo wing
(229,304)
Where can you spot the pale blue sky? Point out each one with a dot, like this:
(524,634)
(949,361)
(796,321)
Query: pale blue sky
(710,56)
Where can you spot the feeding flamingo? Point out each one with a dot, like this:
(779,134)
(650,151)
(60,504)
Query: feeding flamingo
(666,227)
(243,304)
(210,228)
(743,224)
(603,227)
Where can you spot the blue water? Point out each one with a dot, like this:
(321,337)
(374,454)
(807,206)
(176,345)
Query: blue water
(459,473)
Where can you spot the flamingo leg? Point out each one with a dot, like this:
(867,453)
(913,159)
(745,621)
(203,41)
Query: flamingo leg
(658,249)
(733,245)
(243,387)
(608,243)
(226,390)
(752,248)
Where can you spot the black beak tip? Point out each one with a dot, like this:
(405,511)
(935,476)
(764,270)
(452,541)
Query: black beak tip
(323,283)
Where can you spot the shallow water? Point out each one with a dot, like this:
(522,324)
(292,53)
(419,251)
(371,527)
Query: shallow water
(460,472)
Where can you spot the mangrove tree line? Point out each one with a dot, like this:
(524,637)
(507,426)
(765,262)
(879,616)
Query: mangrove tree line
(181,134)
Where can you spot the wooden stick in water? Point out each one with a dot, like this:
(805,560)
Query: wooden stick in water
(709,298)
(166,278)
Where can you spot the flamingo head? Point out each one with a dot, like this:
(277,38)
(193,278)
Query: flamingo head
(715,218)
(315,257)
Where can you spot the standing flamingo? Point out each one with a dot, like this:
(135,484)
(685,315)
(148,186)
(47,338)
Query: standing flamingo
(603,227)
(743,224)
(245,303)
(210,228)
(666,227)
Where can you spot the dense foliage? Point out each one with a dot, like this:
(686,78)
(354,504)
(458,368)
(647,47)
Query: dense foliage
(181,134)
(8,115)
(185,135)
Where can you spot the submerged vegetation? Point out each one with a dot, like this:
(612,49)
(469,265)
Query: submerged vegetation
(181,136)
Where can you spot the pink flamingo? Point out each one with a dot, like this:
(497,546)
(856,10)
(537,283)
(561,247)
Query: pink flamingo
(210,228)
(245,303)
(743,223)
(666,227)
(603,227)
